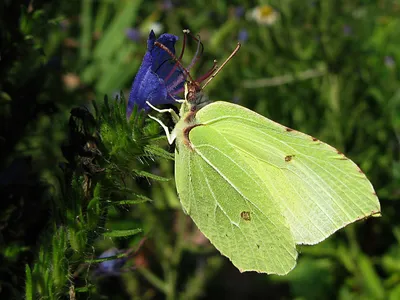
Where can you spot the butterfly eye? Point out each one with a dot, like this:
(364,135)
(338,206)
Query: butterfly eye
(192,89)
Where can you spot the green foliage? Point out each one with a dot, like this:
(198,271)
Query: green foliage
(69,174)
(91,183)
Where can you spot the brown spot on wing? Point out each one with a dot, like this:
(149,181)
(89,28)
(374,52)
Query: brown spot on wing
(314,139)
(289,129)
(374,213)
(342,156)
(245,215)
(288,158)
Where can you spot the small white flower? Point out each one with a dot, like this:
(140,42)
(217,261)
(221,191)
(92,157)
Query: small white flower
(263,14)
(157,27)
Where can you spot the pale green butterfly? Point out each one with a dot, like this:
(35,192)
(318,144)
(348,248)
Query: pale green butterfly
(256,188)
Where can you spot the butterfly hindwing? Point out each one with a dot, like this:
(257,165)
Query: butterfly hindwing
(231,205)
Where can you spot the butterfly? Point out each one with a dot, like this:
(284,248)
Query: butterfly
(257,189)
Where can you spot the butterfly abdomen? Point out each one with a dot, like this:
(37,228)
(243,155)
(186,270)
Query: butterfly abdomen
(183,127)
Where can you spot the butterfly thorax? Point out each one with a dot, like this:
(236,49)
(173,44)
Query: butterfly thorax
(195,99)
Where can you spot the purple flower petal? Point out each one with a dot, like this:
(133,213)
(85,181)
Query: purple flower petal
(239,11)
(111,267)
(154,81)
(133,34)
(167,5)
(243,35)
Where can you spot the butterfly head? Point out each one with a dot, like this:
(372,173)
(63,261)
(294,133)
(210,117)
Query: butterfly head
(194,96)
(192,89)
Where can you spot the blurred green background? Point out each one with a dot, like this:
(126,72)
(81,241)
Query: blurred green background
(76,179)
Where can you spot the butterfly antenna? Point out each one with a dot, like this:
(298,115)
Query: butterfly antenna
(197,55)
(197,39)
(161,46)
(213,69)
(185,33)
(199,50)
(224,63)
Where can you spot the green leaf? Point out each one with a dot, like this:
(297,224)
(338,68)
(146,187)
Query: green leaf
(395,293)
(108,258)
(371,280)
(112,39)
(130,202)
(86,24)
(140,173)
(157,151)
(28,283)
(122,233)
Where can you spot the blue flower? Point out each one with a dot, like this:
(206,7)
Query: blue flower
(158,78)
(243,35)
(111,267)
(389,61)
(347,30)
(239,11)
(133,34)
(167,5)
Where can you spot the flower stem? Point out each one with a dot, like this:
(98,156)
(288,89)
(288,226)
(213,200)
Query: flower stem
(172,274)
(153,279)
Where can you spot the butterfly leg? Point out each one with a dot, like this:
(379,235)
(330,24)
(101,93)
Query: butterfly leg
(170,135)
(175,117)
(176,99)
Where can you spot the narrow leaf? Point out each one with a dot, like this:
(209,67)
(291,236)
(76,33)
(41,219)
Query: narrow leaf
(371,279)
(150,175)
(28,283)
(157,151)
(123,233)
(130,202)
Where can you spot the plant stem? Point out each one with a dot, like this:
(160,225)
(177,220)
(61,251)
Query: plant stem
(172,274)
(153,279)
